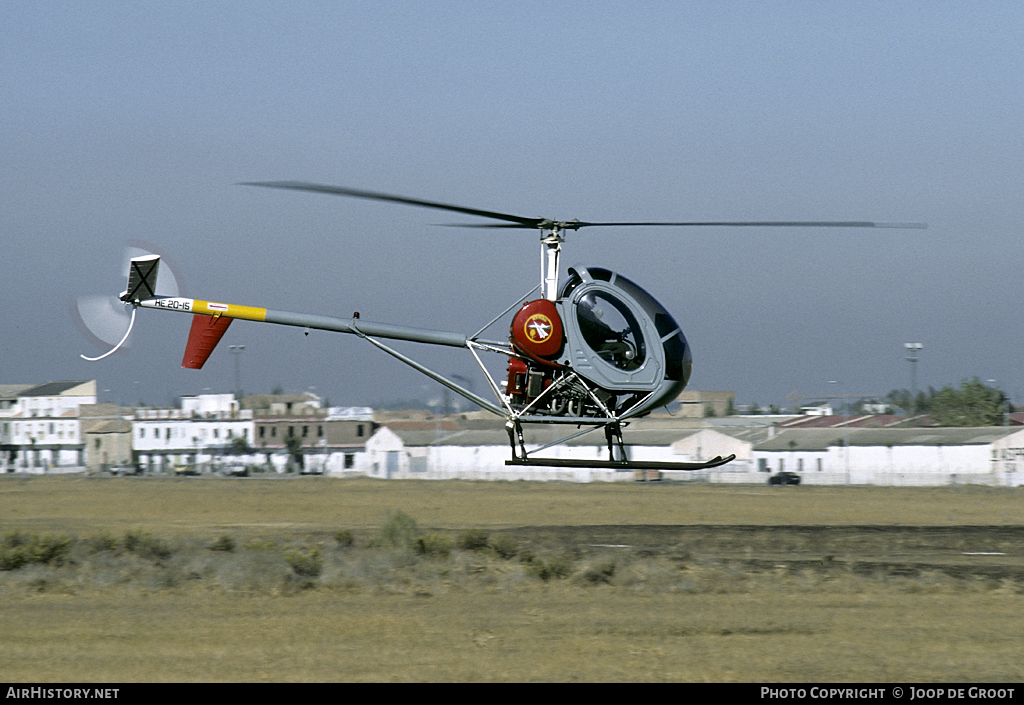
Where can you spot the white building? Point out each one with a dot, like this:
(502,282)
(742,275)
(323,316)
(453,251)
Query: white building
(481,451)
(988,455)
(201,434)
(40,427)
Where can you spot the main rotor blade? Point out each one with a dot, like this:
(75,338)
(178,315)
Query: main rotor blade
(575,225)
(520,221)
(766,223)
(517,221)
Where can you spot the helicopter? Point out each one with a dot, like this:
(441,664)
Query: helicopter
(595,351)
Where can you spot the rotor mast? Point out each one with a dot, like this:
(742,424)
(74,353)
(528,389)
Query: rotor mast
(551,250)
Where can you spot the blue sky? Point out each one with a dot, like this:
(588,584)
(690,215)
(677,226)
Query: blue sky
(133,121)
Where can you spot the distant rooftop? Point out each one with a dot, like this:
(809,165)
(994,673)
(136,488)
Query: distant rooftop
(56,389)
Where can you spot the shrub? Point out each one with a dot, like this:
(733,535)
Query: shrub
(224,543)
(474,540)
(434,545)
(19,549)
(600,572)
(552,568)
(145,545)
(102,542)
(306,564)
(399,530)
(344,538)
(505,547)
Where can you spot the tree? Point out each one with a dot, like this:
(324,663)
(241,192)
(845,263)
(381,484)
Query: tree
(294,446)
(904,399)
(973,404)
(240,446)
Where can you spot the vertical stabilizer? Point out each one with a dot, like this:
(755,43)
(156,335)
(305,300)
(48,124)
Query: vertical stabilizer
(203,338)
(142,273)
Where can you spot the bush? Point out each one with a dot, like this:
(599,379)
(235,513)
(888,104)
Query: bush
(552,568)
(344,538)
(102,542)
(600,572)
(19,549)
(224,543)
(505,547)
(434,545)
(399,530)
(145,545)
(474,540)
(306,564)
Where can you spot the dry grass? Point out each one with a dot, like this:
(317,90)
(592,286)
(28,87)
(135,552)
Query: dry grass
(212,506)
(559,632)
(291,580)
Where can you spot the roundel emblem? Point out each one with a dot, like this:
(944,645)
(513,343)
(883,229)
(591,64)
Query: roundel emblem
(538,328)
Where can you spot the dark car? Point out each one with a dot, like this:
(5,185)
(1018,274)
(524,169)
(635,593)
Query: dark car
(784,478)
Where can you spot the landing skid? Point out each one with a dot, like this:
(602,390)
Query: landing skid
(620,464)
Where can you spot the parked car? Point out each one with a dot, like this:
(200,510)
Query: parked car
(784,478)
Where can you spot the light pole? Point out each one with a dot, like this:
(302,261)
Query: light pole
(846,438)
(913,349)
(236,350)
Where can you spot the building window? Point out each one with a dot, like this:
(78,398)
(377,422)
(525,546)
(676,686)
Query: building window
(263,431)
(305,431)
(359,431)
(319,431)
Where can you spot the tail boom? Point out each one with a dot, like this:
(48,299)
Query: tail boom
(305,320)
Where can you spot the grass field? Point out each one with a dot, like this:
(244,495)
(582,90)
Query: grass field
(143,579)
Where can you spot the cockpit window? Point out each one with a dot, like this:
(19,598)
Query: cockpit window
(611,330)
(570,285)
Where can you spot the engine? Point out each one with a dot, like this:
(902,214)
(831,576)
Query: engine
(537,333)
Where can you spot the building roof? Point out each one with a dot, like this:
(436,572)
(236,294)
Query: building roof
(9,391)
(98,425)
(821,439)
(859,421)
(56,389)
(263,401)
(533,434)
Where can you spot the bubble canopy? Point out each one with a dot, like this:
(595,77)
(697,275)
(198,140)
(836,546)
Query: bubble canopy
(632,339)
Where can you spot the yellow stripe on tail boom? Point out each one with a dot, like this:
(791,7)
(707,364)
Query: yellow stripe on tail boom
(206,308)
(248,313)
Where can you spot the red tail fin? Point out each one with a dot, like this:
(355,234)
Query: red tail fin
(203,338)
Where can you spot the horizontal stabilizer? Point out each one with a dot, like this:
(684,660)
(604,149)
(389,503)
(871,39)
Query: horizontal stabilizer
(203,338)
(142,273)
